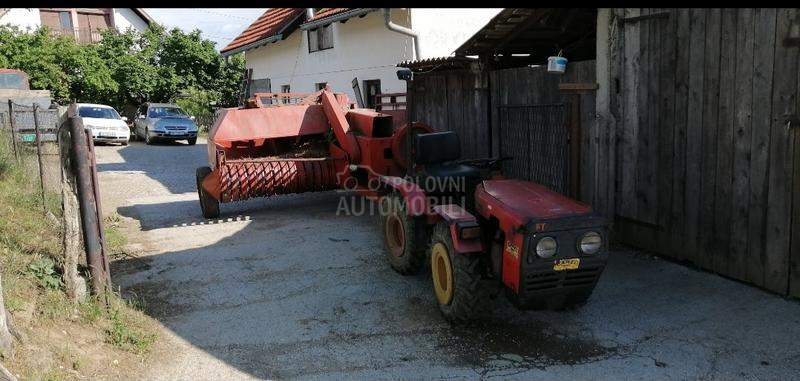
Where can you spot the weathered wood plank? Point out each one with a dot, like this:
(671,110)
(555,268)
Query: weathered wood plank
(709,142)
(626,203)
(585,86)
(452,91)
(677,225)
(763,62)
(743,105)
(647,189)
(794,267)
(666,128)
(724,171)
(436,89)
(784,103)
(494,120)
(794,253)
(694,129)
(615,116)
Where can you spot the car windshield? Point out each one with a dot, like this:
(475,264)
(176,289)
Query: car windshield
(166,112)
(98,112)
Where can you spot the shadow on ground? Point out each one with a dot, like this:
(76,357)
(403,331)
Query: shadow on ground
(291,289)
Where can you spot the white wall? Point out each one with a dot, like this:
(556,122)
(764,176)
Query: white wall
(443,30)
(125,18)
(362,48)
(22,17)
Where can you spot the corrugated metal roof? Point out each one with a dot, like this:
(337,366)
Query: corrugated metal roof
(436,63)
(270,24)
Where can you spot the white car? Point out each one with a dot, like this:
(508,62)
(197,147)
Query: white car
(106,124)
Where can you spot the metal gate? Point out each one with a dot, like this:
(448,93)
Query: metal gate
(536,137)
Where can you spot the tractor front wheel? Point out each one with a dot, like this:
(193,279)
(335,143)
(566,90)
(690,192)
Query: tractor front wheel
(399,235)
(209,205)
(456,277)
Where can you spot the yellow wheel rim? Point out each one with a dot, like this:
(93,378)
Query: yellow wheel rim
(442,272)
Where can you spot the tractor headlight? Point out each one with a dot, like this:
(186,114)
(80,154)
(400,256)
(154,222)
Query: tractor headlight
(546,247)
(591,243)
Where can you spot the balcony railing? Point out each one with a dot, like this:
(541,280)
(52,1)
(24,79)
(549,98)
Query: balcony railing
(83,35)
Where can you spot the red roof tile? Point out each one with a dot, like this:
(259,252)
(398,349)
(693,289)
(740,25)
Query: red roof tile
(268,25)
(326,12)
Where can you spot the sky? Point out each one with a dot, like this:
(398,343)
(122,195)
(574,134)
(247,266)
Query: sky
(220,25)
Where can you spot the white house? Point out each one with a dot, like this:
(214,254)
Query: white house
(82,23)
(300,50)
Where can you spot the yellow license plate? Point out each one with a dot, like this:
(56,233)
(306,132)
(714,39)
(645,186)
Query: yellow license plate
(566,264)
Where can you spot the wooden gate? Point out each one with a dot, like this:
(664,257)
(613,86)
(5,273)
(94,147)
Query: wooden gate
(706,164)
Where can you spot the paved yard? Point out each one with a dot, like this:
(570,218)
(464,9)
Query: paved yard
(287,289)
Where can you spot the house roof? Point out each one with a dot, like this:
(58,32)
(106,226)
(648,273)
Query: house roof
(269,27)
(326,12)
(141,13)
(277,23)
(537,32)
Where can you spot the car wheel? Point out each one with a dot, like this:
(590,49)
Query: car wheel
(192,141)
(124,143)
(147,139)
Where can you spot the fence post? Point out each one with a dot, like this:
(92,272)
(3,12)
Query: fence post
(39,152)
(76,290)
(13,128)
(88,207)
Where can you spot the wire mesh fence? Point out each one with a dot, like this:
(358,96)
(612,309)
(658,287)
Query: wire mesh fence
(536,136)
(30,133)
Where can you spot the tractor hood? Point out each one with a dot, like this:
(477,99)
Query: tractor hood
(525,201)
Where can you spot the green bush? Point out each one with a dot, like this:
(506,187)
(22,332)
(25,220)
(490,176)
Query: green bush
(126,68)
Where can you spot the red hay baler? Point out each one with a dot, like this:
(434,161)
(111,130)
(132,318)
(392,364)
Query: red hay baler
(480,233)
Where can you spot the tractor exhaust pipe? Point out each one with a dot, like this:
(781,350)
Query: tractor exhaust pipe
(387,18)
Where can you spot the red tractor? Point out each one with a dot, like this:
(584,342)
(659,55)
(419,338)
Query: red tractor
(477,230)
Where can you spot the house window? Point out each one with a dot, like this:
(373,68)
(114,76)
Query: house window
(57,21)
(320,85)
(285,89)
(320,38)
(372,88)
(65,19)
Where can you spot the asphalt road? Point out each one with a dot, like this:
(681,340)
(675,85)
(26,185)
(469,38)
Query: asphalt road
(284,288)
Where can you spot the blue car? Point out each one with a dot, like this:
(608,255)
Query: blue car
(164,121)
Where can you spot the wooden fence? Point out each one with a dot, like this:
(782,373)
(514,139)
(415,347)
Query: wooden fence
(520,112)
(707,165)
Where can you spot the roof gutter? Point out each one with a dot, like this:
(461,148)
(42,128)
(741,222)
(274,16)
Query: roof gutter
(252,45)
(387,18)
(337,17)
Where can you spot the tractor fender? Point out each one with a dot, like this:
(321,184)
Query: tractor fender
(455,215)
(413,195)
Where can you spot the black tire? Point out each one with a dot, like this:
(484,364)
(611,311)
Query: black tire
(147,139)
(463,285)
(192,141)
(125,143)
(400,236)
(209,205)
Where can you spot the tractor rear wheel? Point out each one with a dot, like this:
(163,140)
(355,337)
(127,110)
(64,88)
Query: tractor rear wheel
(399,235)
(456,277)
(209,205)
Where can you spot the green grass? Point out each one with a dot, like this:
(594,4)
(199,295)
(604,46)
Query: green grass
(127,333)
(31,252)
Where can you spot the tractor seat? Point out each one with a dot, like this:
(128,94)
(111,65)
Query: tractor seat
(435,149)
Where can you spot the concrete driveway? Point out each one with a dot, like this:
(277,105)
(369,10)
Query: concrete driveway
(286,289)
